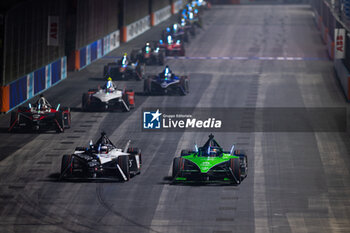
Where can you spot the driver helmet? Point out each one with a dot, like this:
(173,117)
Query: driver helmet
(170,39)
(213,152)
(175,26)
(104,150)
(147,47)
(109,85)
(125,59)
(42,104)
(167,72)
(183,22)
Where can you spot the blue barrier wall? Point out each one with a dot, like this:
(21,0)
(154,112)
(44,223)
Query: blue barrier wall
(18,92)
(346,8)
(39,80)
(82,57)
(55,72)
(93,47)
(98,49)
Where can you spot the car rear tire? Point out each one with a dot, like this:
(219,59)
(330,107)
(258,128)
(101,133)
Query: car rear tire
(239,152)
(123,162)
(193,31)
(161,60)
(59,119)
(136,152)
(105,71)
(236,170)
(133,56)
(67,166)
(140,72)
(178,164)
(84,102)
(186,37)
(185,152)
(147,86)
(12,121)
(244,166)
(126,101)
(184,85)
(66,117)
(182,52)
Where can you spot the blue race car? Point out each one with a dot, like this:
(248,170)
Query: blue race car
(166,82)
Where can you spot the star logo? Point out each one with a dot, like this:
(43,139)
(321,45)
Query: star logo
(151,120)
(156,115)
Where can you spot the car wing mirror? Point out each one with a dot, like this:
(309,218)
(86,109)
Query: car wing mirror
(232,148)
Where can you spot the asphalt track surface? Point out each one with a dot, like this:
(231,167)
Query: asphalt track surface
(297,182)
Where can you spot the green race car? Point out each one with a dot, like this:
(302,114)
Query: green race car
(210,163)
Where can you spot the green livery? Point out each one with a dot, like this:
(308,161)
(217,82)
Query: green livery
(210,163)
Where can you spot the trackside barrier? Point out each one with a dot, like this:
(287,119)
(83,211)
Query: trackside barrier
(160,15)
(317,19)
(4,98)
(32,84)
(137,28)
(330,46)
(343,76)
(325,35)
(97,49)
(176,6)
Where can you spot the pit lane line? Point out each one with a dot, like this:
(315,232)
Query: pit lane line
(253,58)
(240,58)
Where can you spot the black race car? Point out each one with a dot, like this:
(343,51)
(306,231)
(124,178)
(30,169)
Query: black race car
(102,160)
(172,47)
(177,32)
(124,69)
(40,116)
(166,83)
(149,55)
(186,25)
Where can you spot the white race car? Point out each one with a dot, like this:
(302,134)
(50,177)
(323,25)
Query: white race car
(103,99)
(102,160)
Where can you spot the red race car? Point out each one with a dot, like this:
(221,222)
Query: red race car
(40,116)
(172,48)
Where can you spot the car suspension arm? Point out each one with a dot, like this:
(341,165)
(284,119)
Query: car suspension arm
(234,177)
